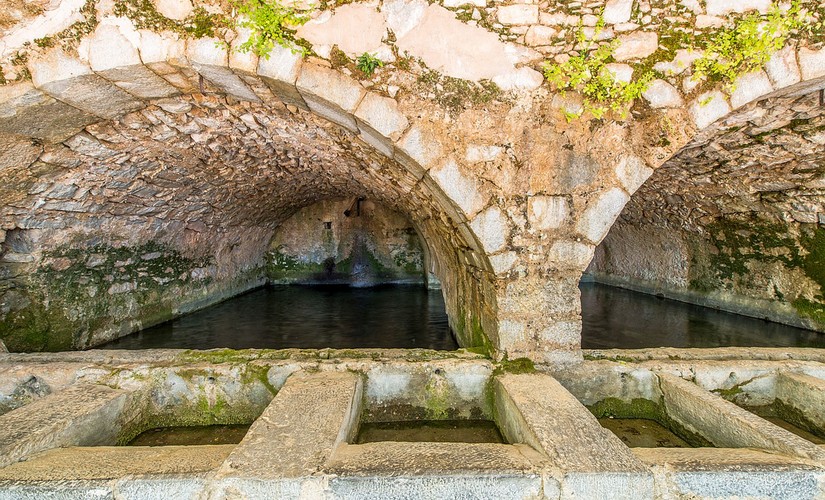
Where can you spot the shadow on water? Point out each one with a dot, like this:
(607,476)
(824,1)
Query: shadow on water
(311,317)
(623,319)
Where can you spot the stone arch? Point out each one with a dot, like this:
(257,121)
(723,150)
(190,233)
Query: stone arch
(749,173)
(130,75)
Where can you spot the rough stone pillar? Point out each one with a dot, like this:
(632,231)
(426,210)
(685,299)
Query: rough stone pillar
(540,318)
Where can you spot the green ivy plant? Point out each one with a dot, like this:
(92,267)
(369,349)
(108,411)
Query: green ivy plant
(747,45)
(368,63)
(587,74)
(271,23)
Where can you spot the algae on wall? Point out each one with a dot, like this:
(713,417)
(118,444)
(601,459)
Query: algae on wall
(74,297)
(347,241)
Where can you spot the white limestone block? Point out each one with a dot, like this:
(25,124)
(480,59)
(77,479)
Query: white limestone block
(421,147)
(243,62)
(462,188)
(811,63)
(479,153)
(750,87)
(632,172)
(521,79)
(174,9)
(355,28)
(404,15)
(782,68)
(617,11)
(601,213)
(503,262)
(621,72)
(539,35)
(571,254)
(382,115)
(724,7)
(636,45)
(56,65)
(492,229)
(661,94)
(709,107)
(547,212)
(518,14)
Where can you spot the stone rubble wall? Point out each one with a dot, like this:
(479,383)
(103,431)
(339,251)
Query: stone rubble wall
(510,197)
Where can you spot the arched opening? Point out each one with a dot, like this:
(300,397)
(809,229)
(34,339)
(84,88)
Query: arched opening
(173,207)
(731,222)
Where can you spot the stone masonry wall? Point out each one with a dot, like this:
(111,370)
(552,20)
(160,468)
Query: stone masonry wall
(457,131)
(352,241)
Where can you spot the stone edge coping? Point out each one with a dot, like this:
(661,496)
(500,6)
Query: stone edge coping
(113,462)
(723,459)
(705,354)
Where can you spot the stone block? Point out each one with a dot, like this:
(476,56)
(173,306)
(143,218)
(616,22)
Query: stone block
(804,393)
(570,254)
(478,153)
(299,431)
(539,35)
(113,56)
(637,45)
(174,9)
(750,87)
(354,28)
(380,120)
(26,111)
(280,72)
(547,212)
(80,415)
(242,62)
(709,107)
(330,94)
(632,172)
(418,150)
(520,79)
(601,212)
(67,79)
(661,94)
(518,14)
(617,11)
(726,425)
(463,189)
(210,58)
(724,7)
(503,262)
(811,63)
(591,461)
(782,68)
(492,229)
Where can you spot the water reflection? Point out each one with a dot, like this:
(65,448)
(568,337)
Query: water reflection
(618,318)
(308,317)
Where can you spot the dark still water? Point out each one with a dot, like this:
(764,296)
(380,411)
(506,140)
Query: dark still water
(618,318)
(308,317)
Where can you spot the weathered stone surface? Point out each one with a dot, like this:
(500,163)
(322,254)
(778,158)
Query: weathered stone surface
(636,45)
(456,49)
(27,111)
(723,7)
(518,14)
(811,63)
(69,80)
(725,424)
(280,71)
(461,187)
(82,415)
(782,68)
(210,58)
(547,212)
(110,462)
(492,229)
(750,87)
(661,94)
(538,411)
(381,121)
(174,9)
(600,214)
(570,254)
(330,94)
(709,107)
(617,11)
(540,35)
(299,431)
(354,28)
(804,393)
(632,173)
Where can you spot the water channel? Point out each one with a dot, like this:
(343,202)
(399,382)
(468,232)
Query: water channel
(408,317)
